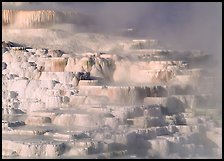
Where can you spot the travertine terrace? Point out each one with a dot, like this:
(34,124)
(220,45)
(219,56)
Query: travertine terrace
(128,99)
(40,18)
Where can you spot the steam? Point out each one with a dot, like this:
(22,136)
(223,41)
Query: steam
(182,26)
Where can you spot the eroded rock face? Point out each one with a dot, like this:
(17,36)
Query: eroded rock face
(144,72)
(58,105)
(39,18)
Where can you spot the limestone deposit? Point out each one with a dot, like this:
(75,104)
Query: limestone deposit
(141,101)
(40,18)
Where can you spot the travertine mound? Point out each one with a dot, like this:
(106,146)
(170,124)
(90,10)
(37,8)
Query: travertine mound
(41,18)
(68,93)
(105,105)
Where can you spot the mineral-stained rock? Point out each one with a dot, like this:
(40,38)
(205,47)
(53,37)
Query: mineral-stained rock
(33,120)
(36,74)
(131,95)
(105,67)
(146,122)
(108,104)
(70,67)
(53,149)
(41,18)
(53,102)
(57,64)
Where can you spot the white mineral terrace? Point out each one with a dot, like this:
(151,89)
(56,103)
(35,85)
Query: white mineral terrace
(38,18)
(112,104)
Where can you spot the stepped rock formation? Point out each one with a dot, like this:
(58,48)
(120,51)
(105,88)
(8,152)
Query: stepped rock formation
(41,18)
(98,105)
(87,95)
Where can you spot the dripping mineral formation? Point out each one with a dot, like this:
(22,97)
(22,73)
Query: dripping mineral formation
(108,97)
(41,18)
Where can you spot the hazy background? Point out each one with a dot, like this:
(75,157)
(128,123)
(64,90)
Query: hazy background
(179,25)
(182,25)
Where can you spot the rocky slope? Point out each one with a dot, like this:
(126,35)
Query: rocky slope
(72,94)
(104,105)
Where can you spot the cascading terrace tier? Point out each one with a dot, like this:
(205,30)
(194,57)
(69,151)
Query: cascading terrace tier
(103,105)
(41,18)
